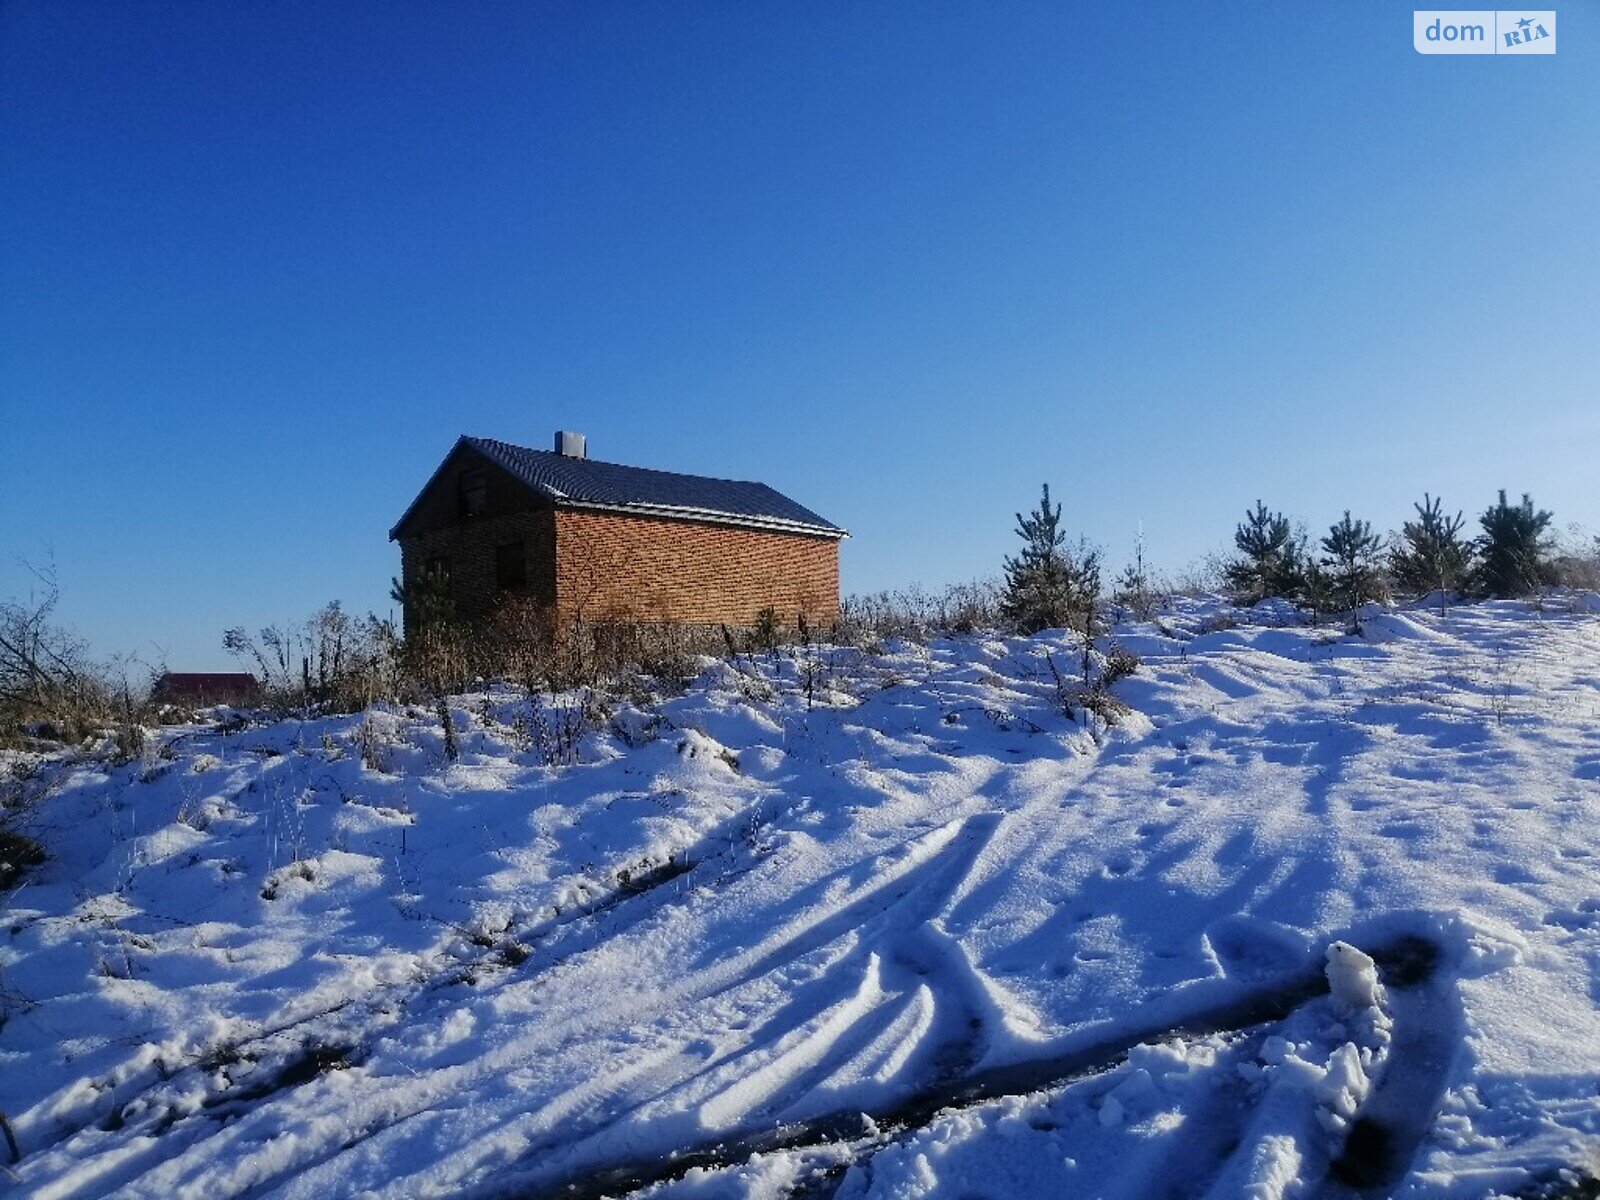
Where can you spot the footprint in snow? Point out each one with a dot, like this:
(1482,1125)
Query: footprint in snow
(1511,873)
(1585,916)
(1118,863)
(1250,948)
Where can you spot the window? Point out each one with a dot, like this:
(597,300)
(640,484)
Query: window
(472,490)
(510,566)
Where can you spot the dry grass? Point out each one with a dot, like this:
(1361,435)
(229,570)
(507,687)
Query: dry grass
(18,852)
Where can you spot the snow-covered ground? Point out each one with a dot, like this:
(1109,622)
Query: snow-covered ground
(915,933)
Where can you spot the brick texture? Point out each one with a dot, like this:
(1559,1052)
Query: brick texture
(471,549)
(612,566)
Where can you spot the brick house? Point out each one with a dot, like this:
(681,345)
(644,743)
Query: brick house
(201,689)
(602,541)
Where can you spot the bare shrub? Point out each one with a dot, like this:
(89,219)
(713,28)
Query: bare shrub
(610,651)
(751,683)
(524,642)
(518,643)
(672,653)
(47,679)
(1577,560)
(554,727)
(916,614)
(768,632)
(375,741)
(1207,575)
(330,662)
(1120,662)
(1092,693)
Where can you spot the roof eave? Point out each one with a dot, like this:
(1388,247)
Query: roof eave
(394,530)
(707,516)
(477,447)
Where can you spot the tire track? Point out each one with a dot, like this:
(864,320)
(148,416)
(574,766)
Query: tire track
(1402,1104)
(260,1066)
(932,866)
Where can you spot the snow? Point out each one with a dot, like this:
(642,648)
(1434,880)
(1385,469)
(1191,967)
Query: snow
(911,930)
(1353,978)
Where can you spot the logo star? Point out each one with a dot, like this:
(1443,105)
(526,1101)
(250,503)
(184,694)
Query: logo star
(1524,23)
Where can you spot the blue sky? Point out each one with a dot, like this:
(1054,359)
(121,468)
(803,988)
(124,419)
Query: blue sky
(260,264)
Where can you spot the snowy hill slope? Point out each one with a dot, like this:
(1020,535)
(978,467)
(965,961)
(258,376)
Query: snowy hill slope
(919,934)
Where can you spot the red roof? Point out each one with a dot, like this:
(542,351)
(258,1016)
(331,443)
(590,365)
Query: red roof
(212,684)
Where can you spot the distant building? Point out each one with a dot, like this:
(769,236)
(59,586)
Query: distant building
(603,541)
(205,688)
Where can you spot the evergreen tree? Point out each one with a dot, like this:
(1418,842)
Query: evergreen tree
(435,649)
(1047,587)
(1431,554)
(1319,589)
(1133,585)
(1349,568)
(1085,566)
(428,602)
(1273,561)
(1513,548)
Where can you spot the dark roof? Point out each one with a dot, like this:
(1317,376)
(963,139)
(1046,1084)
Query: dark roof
(569,482)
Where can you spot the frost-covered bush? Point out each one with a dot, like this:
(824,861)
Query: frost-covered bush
(1120,662)
(917,614)
(1576,563)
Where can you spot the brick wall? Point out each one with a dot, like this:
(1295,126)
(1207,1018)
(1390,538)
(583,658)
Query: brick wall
(472,548)
(614,566)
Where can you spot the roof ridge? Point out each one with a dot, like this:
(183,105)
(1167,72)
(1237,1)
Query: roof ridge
(605,462)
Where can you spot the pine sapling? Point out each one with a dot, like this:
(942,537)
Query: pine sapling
(1047,586)
(1133,585)
(1430,554)
(1350,562)
(1272,561)
(1513,549)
